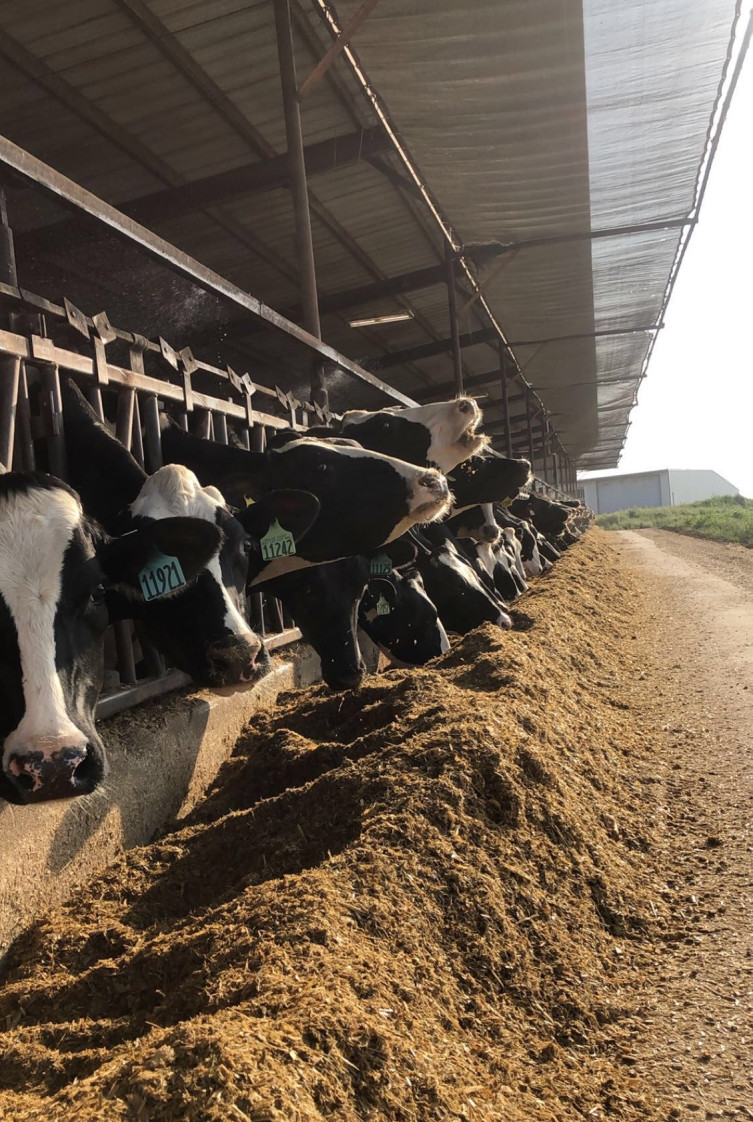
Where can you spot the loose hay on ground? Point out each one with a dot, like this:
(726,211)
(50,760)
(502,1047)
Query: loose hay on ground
(429,899)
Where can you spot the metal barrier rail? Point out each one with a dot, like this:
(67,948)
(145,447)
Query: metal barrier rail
(32,429)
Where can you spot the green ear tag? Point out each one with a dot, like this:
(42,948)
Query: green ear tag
(249,500)
(277,542)
(507,502)
(382,607)
(380,565)
(161,575)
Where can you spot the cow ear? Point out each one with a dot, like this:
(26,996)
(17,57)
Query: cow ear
(296,511)
(381,586)
(192,542)
(400,553)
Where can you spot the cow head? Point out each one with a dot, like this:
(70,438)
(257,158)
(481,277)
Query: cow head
(55,566)
(442,434)
(204,630)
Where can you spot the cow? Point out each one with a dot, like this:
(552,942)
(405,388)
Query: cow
(204,630)
(55,568)
(324,603)
(400,619)
(486,479)
(478,523)
(452,582)
(366,499)
(548,517)
(441,435)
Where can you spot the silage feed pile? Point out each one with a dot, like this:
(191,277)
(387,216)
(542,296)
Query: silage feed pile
(429,899)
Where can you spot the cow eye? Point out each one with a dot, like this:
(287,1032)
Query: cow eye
(96,596)
(246,546)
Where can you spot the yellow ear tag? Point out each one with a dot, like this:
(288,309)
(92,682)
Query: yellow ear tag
(249,501)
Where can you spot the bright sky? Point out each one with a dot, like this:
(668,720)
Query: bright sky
(695,407)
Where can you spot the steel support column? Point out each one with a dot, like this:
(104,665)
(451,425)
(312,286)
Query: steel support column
(530,430)
(10,367)
(505,402)
(452,305)
(302,213)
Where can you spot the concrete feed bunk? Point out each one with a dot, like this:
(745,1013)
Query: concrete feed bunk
(424,899)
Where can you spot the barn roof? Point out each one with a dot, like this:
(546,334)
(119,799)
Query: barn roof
(558,148)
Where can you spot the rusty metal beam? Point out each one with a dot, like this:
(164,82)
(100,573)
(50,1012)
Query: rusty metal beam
(337,47)
(78,199)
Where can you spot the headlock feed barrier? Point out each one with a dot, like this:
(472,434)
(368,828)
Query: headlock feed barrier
(129,380)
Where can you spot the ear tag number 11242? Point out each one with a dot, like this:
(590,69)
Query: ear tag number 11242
(161,575)
(277,542)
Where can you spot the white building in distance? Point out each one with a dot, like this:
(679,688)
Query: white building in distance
(667,487)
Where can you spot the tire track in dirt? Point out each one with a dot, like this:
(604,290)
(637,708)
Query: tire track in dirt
(697,1039)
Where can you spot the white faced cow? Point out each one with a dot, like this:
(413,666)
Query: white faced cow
(442,434)
(204,629)
(54,566)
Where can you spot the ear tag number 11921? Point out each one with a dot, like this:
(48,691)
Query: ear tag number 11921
(277,542)
(161,575)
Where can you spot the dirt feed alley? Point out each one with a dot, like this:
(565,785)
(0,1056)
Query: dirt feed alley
(514,885)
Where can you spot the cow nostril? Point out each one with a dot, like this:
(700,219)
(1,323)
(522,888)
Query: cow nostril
(465,406)
(24,781)
(84,771)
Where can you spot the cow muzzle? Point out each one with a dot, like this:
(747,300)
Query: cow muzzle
(235,664)
(53,769)
(431,495)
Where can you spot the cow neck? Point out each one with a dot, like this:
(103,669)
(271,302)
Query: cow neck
(103,472)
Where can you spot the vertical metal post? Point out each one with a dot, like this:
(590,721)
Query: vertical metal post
(555,467)
(50,379)
(220,428)
(297,164)
(124,420)
(530,430)
(10,368)
(24,450)
(544,429)
(137,442)
(452,305)
(505,401)
(152,434)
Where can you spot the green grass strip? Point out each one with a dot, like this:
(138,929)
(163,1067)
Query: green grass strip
(726,518)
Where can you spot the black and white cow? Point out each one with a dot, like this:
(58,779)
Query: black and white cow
(461,595)
(366,499)
(442,434)
(401,620)
(328,602)
(55,565)
(204,630)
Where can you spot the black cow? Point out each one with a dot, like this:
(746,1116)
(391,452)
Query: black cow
(324,602)
(482,479)
(55,566)
(401,620)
